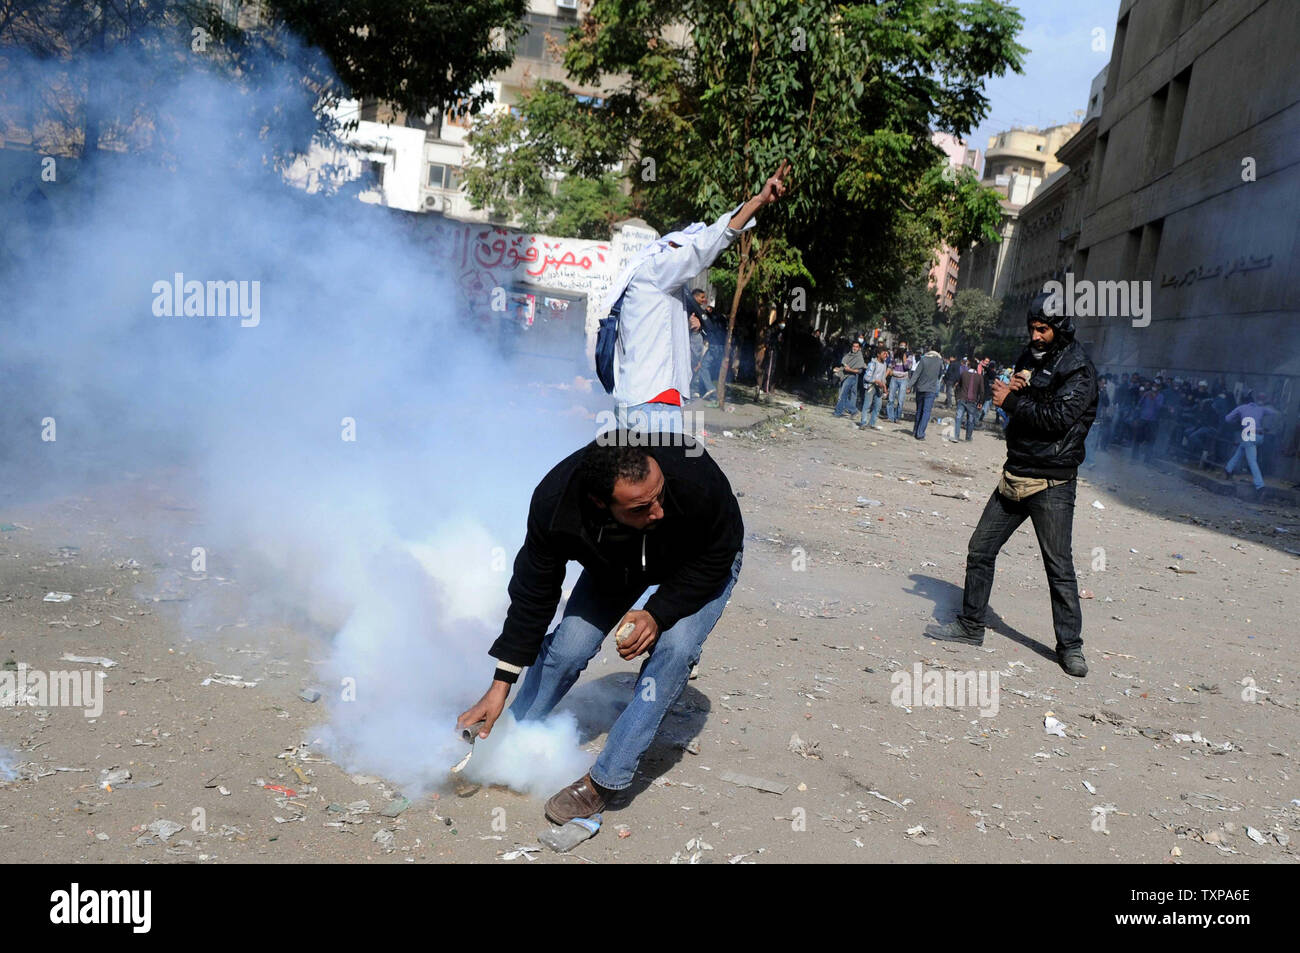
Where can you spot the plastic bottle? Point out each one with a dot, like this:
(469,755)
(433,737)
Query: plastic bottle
(564,839)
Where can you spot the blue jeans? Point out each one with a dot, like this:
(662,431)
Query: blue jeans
(897,388)
(1250,449)
(656,418)
(966,410)
(924,402)
(873,401)
(588,617)
(848,401)
(1052,513)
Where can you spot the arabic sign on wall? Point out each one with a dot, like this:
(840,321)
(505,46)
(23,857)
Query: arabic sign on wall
(484,257)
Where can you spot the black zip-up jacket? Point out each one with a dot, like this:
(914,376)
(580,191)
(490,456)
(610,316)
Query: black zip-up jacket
(688,554)
(1050,418)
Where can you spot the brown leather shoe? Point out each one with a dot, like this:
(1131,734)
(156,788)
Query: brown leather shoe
(582,798)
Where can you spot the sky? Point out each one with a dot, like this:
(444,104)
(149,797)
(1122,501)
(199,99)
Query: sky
(1058,69)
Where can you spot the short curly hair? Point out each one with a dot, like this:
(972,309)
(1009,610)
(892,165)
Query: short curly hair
(609,460)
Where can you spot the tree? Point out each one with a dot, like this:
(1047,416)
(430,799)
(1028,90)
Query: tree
(420,55)
(519,154)
(848,92)
(911,314)
(973,316)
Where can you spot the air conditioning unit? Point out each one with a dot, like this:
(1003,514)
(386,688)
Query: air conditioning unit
(435,203)
(566,5)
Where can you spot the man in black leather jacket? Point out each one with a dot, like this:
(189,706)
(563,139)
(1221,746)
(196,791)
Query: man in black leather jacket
(1051,402)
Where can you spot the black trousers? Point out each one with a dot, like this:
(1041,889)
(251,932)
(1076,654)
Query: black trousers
(1052,513)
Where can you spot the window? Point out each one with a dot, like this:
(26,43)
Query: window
(538,27)
(444,176)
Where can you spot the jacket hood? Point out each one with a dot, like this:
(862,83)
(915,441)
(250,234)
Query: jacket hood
(1062,323)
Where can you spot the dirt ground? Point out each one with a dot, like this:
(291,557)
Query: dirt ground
(832,601)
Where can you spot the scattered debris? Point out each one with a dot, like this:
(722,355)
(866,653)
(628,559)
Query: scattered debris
(309,695)
(759,784)
(564,839)
(394,808)
(919,835)
(216,678)
(525,852)
(1052,726)
(87,659)
(57,597)
(805,749)
(110,776)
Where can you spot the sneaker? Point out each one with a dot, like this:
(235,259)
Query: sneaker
(877,427)
(1072,661)
(953,632)
(695,672)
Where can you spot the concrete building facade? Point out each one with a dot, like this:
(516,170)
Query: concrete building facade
(1049,225)
(1016,164)
(943,275)
(1195,188)
(416,163)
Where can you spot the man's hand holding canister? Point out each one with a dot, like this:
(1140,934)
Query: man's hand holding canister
(487,709)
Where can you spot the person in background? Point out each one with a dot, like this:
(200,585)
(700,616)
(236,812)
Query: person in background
(989,371)
(898,373)
(951,374)
(849,373)
(875,384)
(700,385)
(1253,418)
(924,382)
(970,388)
(1150,402)
(652,367)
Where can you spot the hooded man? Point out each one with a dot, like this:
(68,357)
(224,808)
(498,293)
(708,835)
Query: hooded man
(1050,401)
(652,363)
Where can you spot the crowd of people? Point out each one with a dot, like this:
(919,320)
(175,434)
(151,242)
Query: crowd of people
(876,378)
(1189,422)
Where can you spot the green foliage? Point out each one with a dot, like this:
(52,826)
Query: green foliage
(848,92)
(973,317)
(911,314)
(419,55)
(518,154)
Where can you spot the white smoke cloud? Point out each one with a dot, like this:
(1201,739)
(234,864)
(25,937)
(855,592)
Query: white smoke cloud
(393,539)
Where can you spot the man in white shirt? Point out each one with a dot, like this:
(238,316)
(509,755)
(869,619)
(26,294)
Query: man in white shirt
(652,362)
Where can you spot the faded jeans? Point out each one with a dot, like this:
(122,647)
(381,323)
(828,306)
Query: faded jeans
(897,391)
(588,617)
(848,401)
(965,409)
(1249,449)
(651,417)
(1052,513)
(924,404)
(872,401)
